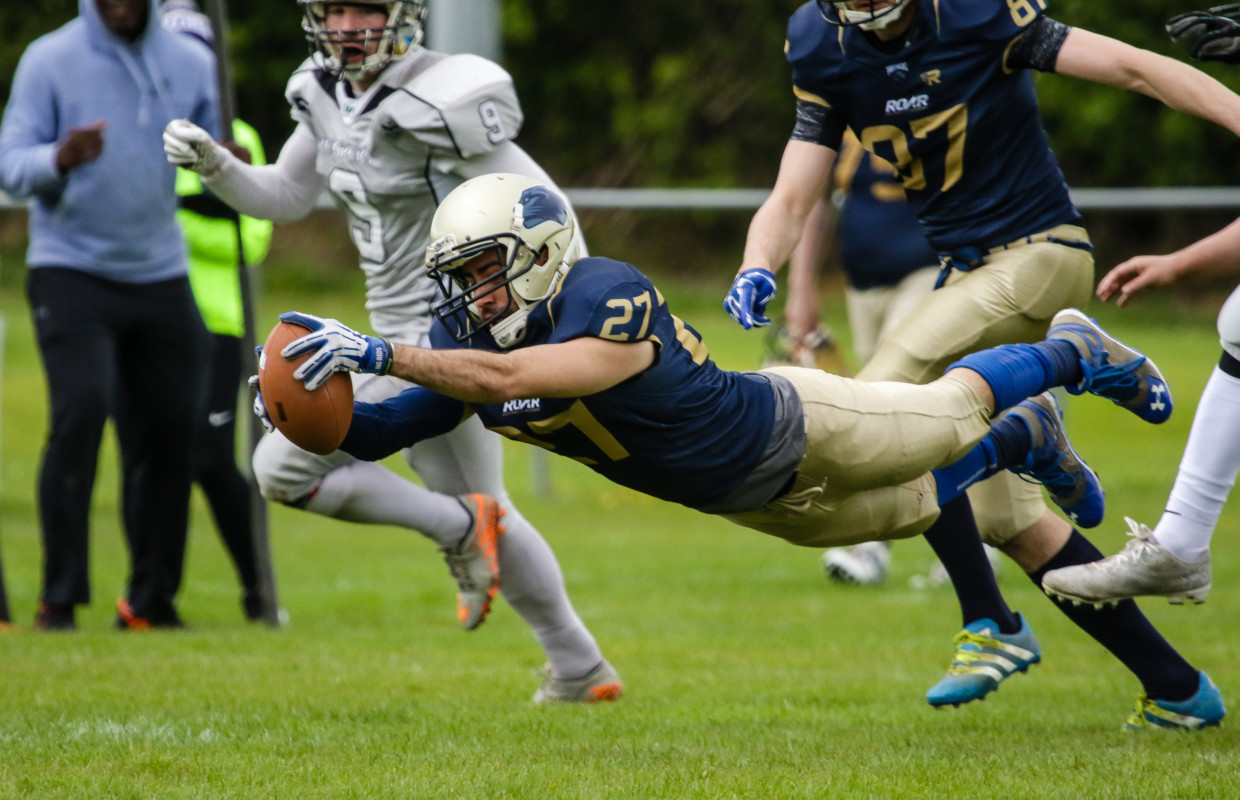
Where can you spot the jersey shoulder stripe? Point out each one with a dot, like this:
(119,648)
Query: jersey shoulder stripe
(980,20)
(473,100)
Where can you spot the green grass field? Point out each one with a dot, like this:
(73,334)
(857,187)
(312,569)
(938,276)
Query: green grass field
(746,674)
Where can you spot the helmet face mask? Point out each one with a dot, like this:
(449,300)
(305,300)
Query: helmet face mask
(379,46)
(530,228)
(869,18)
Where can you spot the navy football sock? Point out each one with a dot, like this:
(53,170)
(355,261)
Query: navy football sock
(955,540)
(1064,360)
(1124,630)
(1006,445)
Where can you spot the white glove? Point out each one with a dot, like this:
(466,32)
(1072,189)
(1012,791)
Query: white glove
(189,146)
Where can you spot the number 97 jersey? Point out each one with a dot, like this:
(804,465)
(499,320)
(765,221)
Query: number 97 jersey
(683,430)
(960,125)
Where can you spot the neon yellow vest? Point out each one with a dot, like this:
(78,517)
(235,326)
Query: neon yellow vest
(212,242)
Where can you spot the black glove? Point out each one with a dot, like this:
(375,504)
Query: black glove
(1213,35)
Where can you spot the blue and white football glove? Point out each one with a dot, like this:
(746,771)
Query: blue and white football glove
(339,348)
(260,408)
(746,303)
(1213,35)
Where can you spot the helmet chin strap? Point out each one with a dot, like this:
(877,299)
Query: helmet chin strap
(867,22)
(510,330)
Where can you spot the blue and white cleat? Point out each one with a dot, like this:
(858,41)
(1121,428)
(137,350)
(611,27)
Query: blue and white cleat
(1052,462)
(984,659)
(1113,369)
(1203,710)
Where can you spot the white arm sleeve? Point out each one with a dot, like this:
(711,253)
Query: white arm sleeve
(283,192)
(508,157)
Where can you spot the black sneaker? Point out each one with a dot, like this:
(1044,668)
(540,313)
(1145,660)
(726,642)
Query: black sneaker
(128,620)
(252,605)
(54,618)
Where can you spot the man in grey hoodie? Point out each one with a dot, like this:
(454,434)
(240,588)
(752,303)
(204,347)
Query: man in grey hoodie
(108,289)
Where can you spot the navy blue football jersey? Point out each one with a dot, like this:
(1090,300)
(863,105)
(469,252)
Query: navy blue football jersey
(684,430)
(962,128)
(880,240)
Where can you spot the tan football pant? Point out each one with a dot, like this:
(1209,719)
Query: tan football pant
(874,313)
(869,450)
(1011,299)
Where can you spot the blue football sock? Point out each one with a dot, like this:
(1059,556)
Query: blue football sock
(1016,372)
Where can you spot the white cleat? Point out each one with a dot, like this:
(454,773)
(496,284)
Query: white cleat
(1143,568)
(862,564)
(601,684)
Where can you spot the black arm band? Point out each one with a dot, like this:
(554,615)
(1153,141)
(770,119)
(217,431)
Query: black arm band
(818,124)
(1038,47)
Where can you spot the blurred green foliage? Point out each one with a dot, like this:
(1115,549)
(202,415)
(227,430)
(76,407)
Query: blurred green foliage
(696,93)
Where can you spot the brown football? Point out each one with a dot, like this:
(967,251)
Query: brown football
(316,421)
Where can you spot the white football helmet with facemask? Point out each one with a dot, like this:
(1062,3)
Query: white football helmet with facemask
(519,218)
(868,15)
(406,20)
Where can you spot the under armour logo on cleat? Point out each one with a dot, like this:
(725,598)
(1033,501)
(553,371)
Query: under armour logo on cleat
(1156,393)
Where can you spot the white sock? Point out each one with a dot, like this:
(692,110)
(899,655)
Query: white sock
(533,585)
(1207,471)
(362,491)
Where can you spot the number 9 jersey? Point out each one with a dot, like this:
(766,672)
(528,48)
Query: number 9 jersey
(951,109)
(390,154)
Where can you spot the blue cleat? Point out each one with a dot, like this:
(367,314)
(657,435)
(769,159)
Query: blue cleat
(1113,369)
(1052,462)
(984,659)
(1203,710)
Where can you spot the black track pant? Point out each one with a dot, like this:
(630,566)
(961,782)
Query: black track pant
(137,352)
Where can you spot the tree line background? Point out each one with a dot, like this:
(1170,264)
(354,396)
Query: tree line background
(695,93)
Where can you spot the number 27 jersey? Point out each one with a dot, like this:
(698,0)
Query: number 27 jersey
(683,430)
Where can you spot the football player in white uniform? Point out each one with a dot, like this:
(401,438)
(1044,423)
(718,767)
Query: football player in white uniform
(389,128)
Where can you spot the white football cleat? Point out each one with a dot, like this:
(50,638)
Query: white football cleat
(862,564)
(601,684)
(1143,567)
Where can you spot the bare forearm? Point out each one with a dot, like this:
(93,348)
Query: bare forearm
(474,376)
(1179,86)
(1217,254)
(780,221)
(773,233)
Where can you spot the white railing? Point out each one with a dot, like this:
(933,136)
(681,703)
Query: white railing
(1134,199)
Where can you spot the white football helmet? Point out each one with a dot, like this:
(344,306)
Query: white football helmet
(520,218)
(869,15)
(406,20)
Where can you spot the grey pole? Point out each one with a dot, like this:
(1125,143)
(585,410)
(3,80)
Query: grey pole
(217,10)
(465,26)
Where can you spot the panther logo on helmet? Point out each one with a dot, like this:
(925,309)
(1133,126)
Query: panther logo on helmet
(401,33)
(531,228)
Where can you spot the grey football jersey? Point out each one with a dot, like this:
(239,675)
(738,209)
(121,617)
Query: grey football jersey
(387,158)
